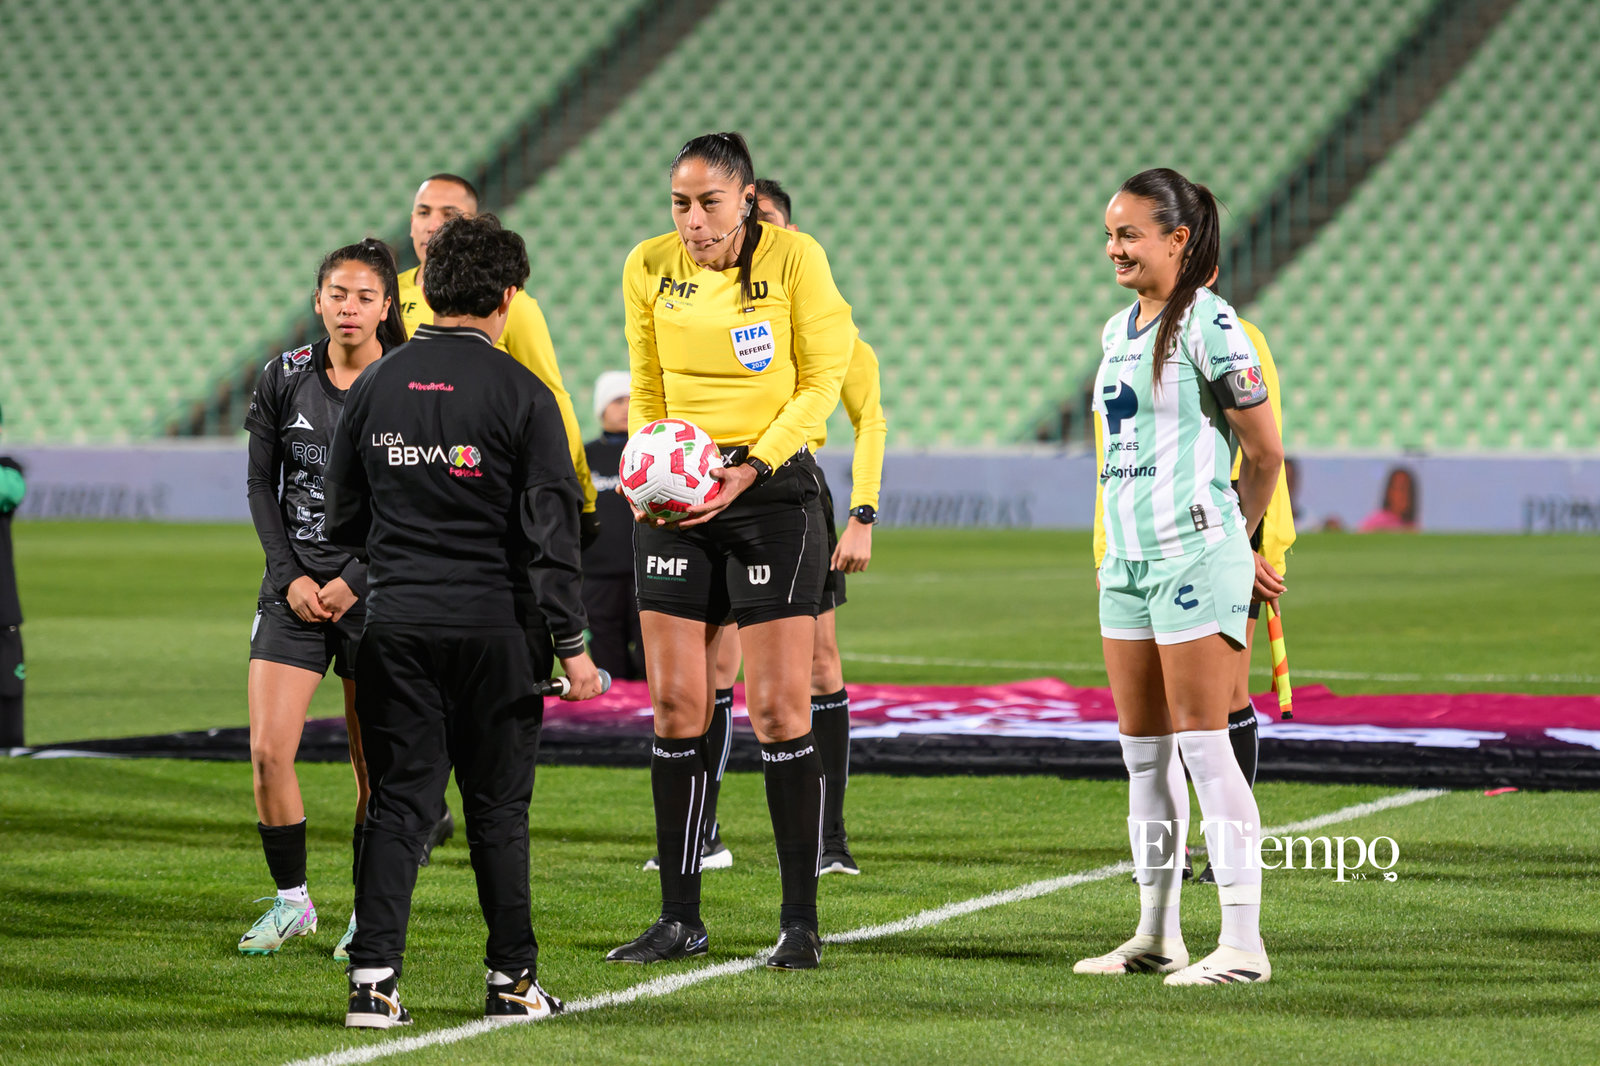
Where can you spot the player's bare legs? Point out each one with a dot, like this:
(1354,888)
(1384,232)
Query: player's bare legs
(278,696)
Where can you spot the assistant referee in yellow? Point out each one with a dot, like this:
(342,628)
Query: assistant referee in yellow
(526,338)
(736,326)
(1273,539)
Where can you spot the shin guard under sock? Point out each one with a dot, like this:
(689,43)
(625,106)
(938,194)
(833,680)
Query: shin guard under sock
(285,848)
(830,723)
(678,785)
(1244,733)
(793,771)
(719,740)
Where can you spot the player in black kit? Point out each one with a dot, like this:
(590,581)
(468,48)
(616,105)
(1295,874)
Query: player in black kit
(450,475)
(309,612)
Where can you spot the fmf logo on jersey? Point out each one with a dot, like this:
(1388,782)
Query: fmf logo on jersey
(678,288)
(753,345)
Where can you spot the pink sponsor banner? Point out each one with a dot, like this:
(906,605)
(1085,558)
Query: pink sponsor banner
(1046,707)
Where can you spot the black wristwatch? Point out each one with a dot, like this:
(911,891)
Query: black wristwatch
(866,514)
(763,471)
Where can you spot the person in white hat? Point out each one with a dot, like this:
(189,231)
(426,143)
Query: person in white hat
(608,589)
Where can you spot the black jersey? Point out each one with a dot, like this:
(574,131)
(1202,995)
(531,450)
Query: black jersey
(451,474)
(611,555)
(291,419)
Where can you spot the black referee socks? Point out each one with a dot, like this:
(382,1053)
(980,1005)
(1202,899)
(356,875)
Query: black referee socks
(1244,733)
(830,723)
(794,798)
(718,739)
(678,780)
(285,847)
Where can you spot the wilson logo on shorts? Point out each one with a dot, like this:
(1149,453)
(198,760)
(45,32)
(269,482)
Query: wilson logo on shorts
(759,575)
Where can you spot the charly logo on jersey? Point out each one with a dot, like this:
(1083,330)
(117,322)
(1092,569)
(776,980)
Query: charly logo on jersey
(297,360)
(753,345)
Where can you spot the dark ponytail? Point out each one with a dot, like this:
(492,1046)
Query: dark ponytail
(729,155)
(375,254)
(1177,201)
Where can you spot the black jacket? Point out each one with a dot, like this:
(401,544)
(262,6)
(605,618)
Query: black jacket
(449,475)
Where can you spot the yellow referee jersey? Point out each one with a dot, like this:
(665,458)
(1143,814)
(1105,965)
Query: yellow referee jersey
(766,373)
(527,340)
(862,399)
(1277,525)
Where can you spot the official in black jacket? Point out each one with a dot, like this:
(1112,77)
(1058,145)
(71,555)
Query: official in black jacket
(450,475)
(609,596)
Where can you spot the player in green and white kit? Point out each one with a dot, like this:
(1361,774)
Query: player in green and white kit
(1179,387)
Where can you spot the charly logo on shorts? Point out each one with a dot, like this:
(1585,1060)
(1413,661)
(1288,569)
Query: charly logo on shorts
(753,345)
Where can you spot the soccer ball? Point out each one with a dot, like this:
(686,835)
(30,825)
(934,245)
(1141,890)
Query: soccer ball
(666,468)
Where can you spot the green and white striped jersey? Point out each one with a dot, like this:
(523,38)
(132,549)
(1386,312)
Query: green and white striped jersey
(1168,452)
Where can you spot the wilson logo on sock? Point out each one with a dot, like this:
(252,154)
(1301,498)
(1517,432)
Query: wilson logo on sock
(661,754)
(786,756)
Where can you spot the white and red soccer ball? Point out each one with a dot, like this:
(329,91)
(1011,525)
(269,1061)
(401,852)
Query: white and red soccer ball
(666,468)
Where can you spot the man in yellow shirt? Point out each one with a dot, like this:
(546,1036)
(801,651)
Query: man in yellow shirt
(526,338)
(1272,542)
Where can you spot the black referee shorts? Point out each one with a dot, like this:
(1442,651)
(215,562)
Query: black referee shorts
(280,636)
(762,559)
(833,580)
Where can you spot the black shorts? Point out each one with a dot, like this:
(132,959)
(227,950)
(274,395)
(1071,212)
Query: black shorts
(833,580)
(13,672)
(280,636)
(761,559)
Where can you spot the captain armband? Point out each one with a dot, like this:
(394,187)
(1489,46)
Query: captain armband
(1240,389)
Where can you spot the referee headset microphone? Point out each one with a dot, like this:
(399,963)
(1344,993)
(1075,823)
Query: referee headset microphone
(750,206)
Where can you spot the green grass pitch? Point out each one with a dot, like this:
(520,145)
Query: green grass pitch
(126,883)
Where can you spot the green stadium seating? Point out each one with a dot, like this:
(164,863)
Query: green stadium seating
(1451,298)
(176,170)
(956,171)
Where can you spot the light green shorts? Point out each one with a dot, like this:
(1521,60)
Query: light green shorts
(1181,599)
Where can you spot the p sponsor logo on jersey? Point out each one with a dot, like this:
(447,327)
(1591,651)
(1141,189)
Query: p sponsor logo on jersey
(300,422)
(296,361)
(753,345)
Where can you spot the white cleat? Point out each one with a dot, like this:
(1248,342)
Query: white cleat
(1225,966)
(1145,953)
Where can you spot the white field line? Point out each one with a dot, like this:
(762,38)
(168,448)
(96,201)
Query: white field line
(1329,675)
(670,983)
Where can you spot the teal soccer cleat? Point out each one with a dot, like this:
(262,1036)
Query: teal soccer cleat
(282,921)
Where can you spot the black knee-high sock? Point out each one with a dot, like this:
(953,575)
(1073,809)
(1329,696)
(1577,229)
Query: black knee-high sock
(830,721)
(678,783)
(355,853)
(285,846)
(1245,735)
(794,798)
(718,740)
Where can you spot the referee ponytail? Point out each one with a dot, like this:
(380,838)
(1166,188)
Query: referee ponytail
(729,155)
(1177,201)
(373,253)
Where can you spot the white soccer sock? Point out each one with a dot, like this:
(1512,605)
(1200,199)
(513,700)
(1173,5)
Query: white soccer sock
(371,975)
(1158,816)
(1232,825)
(296,895)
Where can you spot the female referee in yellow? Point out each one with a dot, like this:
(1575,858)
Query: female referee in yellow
(1274,537)
(1179,385)
(737,327)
